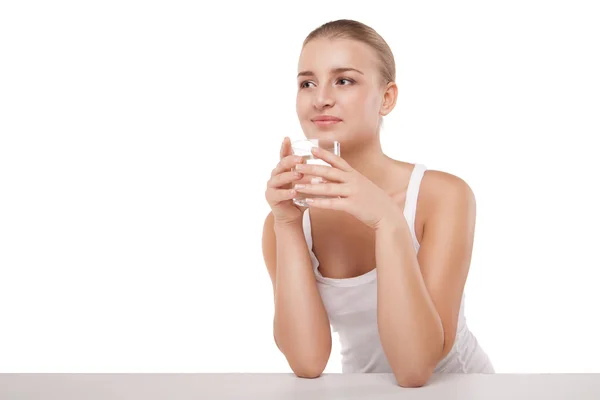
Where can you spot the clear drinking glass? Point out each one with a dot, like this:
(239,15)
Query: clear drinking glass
(303,148)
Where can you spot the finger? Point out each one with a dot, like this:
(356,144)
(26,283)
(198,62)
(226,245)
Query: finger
(331,159)
(324,171)
(279,195)
(286,164)
(284,178)
(282,149)
(286,149)
(324,189)
(340,204)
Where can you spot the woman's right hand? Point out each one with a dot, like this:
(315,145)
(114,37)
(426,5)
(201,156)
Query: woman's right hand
(279,193)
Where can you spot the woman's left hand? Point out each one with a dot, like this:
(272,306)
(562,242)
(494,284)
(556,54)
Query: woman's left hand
(348,189)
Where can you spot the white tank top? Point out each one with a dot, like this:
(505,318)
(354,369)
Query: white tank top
(351,305)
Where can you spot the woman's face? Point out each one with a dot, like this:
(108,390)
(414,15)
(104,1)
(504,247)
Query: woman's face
(339,78)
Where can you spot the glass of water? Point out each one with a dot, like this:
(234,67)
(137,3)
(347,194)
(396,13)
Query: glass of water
(303,148)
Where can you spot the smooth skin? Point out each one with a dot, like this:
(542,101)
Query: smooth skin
(362,225)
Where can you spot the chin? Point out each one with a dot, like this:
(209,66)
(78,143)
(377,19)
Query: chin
(325,133)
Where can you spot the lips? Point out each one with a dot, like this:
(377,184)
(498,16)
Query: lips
(326,120)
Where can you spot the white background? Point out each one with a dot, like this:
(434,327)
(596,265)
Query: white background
(137,139)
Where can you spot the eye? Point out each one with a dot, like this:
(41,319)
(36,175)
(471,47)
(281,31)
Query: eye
(303,84)
(350,81)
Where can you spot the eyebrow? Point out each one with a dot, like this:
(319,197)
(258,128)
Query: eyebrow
(334,71)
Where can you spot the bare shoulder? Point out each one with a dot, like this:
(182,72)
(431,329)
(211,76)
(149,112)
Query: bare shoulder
(442,183)
(443,190)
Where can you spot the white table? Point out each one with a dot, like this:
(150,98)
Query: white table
(244,386)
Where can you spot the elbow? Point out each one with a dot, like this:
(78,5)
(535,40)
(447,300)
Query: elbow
(411,382)
(310,368)
(307,361)
(413,379)
(308,373)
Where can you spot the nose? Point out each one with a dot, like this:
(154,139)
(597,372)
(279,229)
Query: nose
(323,98)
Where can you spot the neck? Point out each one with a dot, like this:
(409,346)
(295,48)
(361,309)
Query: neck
(368,159)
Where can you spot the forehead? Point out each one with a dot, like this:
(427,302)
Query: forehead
(323,54)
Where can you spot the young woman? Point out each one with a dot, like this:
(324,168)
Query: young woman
(384,258)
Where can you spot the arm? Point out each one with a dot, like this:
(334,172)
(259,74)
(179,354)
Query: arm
(419,296)
(301,327)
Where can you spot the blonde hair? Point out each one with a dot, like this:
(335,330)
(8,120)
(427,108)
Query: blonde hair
(350,29)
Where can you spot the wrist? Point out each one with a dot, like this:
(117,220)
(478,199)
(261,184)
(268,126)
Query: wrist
(287,225)
(391,221)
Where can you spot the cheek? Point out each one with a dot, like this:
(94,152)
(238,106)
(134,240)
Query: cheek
(303,111)
(302,105)
(364,105)
(373,103)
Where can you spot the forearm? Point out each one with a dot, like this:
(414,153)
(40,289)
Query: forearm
(410,328)
(301,325)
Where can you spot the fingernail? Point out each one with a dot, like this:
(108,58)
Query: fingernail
(299,167)
(299,186)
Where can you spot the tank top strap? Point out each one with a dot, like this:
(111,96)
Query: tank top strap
(412,194)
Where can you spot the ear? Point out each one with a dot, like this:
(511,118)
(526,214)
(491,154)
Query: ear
(389,98)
